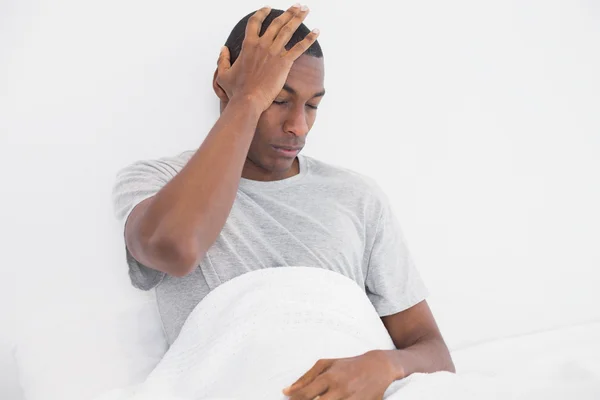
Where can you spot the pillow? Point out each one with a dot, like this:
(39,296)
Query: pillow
(86,352)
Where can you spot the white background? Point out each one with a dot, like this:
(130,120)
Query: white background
(481,120)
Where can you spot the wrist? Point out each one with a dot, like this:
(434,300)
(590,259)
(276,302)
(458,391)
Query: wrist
(249,103)
(395,362)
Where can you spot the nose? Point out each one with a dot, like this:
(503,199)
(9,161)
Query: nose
(296,121)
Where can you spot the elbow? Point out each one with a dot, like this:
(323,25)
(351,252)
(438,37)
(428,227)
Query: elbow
(184,267)
(178,258)
(180,270)
(451,367)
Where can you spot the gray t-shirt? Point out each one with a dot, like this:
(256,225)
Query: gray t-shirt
(324,217)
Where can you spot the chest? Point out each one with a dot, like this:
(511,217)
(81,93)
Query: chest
(268,231)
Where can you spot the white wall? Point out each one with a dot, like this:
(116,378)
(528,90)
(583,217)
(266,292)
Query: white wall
(480,119)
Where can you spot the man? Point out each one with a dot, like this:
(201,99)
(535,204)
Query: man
(246,200)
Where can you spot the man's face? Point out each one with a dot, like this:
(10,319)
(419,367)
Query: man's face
(287,121)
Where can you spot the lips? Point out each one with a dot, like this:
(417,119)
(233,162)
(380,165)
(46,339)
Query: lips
(287,151)
(288,148)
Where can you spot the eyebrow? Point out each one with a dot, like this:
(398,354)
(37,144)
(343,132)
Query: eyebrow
(292,91)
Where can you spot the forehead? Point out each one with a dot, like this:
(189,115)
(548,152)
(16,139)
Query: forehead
(307,75)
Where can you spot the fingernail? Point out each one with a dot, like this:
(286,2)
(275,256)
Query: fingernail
(297,5)
(316,31)
(304,8)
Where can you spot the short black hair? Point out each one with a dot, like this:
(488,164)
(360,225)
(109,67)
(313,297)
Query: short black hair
(236,37)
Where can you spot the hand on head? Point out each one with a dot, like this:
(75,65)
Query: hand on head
(263,65)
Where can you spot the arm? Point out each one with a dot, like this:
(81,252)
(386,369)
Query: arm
(420,345)
(392,281)
(367,376)
(173,229)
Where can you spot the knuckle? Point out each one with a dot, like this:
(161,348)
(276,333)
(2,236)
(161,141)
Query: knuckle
(255,17)
(332,380)
(249,43)
(277,23)
(286,30)
(275,52)
(302,47)
(221,82)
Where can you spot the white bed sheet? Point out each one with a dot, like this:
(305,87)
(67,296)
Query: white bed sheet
(255,360)
(568,357)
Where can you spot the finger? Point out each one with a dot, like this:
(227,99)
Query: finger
(278,23)
(287,31)
(319,367)
(224,61)
(315,390)
(255,23)
(333,395)
(303,45)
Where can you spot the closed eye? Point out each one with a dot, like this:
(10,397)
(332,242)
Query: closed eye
(285,102)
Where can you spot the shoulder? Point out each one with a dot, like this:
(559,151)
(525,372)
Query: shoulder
(162,167)
(351,181)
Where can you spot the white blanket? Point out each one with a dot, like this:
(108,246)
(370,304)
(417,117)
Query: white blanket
(258,333)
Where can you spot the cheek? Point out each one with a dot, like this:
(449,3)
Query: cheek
(311,117)
(264,131)
(269,120)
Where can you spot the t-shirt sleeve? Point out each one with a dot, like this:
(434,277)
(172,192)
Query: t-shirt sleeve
(133,184)
(393,283)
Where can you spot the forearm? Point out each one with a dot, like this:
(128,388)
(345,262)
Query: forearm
(427,355)
(191,210)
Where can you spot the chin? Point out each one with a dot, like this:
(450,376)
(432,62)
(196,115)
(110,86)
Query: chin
(281,164)
(272,162)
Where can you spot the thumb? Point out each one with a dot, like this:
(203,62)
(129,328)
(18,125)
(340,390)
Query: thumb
(223,63)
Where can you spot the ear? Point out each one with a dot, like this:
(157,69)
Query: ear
(218,89)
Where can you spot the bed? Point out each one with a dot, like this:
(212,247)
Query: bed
(106,356)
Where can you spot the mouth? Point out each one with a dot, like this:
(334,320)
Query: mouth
(287,151)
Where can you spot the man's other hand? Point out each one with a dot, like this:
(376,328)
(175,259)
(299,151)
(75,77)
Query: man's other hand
(365,377)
